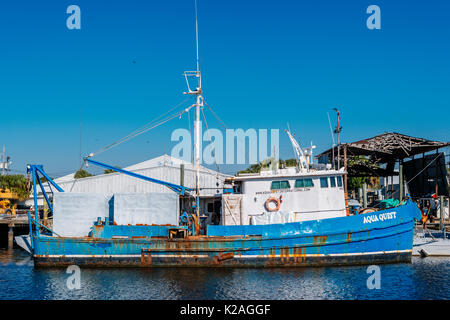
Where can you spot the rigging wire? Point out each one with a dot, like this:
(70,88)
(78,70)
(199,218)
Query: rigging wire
(151,125)
(215,115)
(74,179)
(423,169)
(209,137)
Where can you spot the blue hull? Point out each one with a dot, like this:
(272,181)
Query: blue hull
(380,237)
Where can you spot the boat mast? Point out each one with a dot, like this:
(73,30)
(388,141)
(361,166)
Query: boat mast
(338,130)
(199,104)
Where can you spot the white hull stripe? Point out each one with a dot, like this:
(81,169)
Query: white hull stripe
(205,256)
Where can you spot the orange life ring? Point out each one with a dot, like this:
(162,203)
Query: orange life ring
(268,201)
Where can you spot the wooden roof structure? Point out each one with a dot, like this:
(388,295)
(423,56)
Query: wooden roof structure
(385,148)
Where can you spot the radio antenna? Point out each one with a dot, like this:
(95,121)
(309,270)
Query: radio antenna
(196,36)
(332,138)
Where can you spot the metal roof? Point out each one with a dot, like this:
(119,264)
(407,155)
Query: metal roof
(387,147)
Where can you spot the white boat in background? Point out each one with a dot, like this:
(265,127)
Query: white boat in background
(428,244)
(24,242)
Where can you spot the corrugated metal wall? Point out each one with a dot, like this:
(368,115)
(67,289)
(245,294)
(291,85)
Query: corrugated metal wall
(118,182)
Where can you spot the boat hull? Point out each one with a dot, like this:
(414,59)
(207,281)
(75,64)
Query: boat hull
(244,262)
(382,237)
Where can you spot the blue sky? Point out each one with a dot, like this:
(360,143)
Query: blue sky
(264,63)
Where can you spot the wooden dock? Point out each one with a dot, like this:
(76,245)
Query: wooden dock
(10,223)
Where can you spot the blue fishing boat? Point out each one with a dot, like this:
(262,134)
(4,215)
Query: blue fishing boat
(275,218)
(382,237)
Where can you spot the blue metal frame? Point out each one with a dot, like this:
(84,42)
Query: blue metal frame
(181,190)
(34,170)
(32,222)
(30,225)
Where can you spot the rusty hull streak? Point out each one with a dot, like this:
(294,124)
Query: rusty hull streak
(146,258)
(349,237)
(296,258)
(225,256)
(320,239)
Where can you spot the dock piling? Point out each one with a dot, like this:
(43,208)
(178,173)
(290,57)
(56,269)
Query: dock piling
(11,236)
(400,181)
(364,194)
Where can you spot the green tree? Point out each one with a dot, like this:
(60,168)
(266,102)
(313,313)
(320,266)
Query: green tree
(44,179)
(82,174)
(16,183)
(110,170)
(354,183)
(288,163)
(256,168)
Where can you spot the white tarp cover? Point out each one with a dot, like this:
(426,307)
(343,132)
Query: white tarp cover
(273,218)
(75,213)
(146,208)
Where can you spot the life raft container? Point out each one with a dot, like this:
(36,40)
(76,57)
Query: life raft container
(274,200)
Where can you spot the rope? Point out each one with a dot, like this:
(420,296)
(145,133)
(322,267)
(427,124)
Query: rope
(423,169)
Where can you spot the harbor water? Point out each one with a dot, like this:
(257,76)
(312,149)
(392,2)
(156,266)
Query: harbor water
(422,279)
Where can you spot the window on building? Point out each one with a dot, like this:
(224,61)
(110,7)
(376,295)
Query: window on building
(324,182)
(339,181)
(304,183)
(284,184)
(333,182)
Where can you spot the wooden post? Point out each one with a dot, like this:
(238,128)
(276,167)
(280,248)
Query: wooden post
(364,191)
(441,213)
(392,187)
(400,180)
(11,236)
(182,175)
(423,173)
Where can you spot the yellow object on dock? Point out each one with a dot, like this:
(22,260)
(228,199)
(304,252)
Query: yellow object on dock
(8,202)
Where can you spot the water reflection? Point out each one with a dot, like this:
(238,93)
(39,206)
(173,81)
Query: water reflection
(423,279)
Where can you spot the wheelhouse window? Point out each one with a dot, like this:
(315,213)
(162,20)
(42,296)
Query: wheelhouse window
(304,183)
(284,184)
(324,182)
(333,182)
(339,181)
